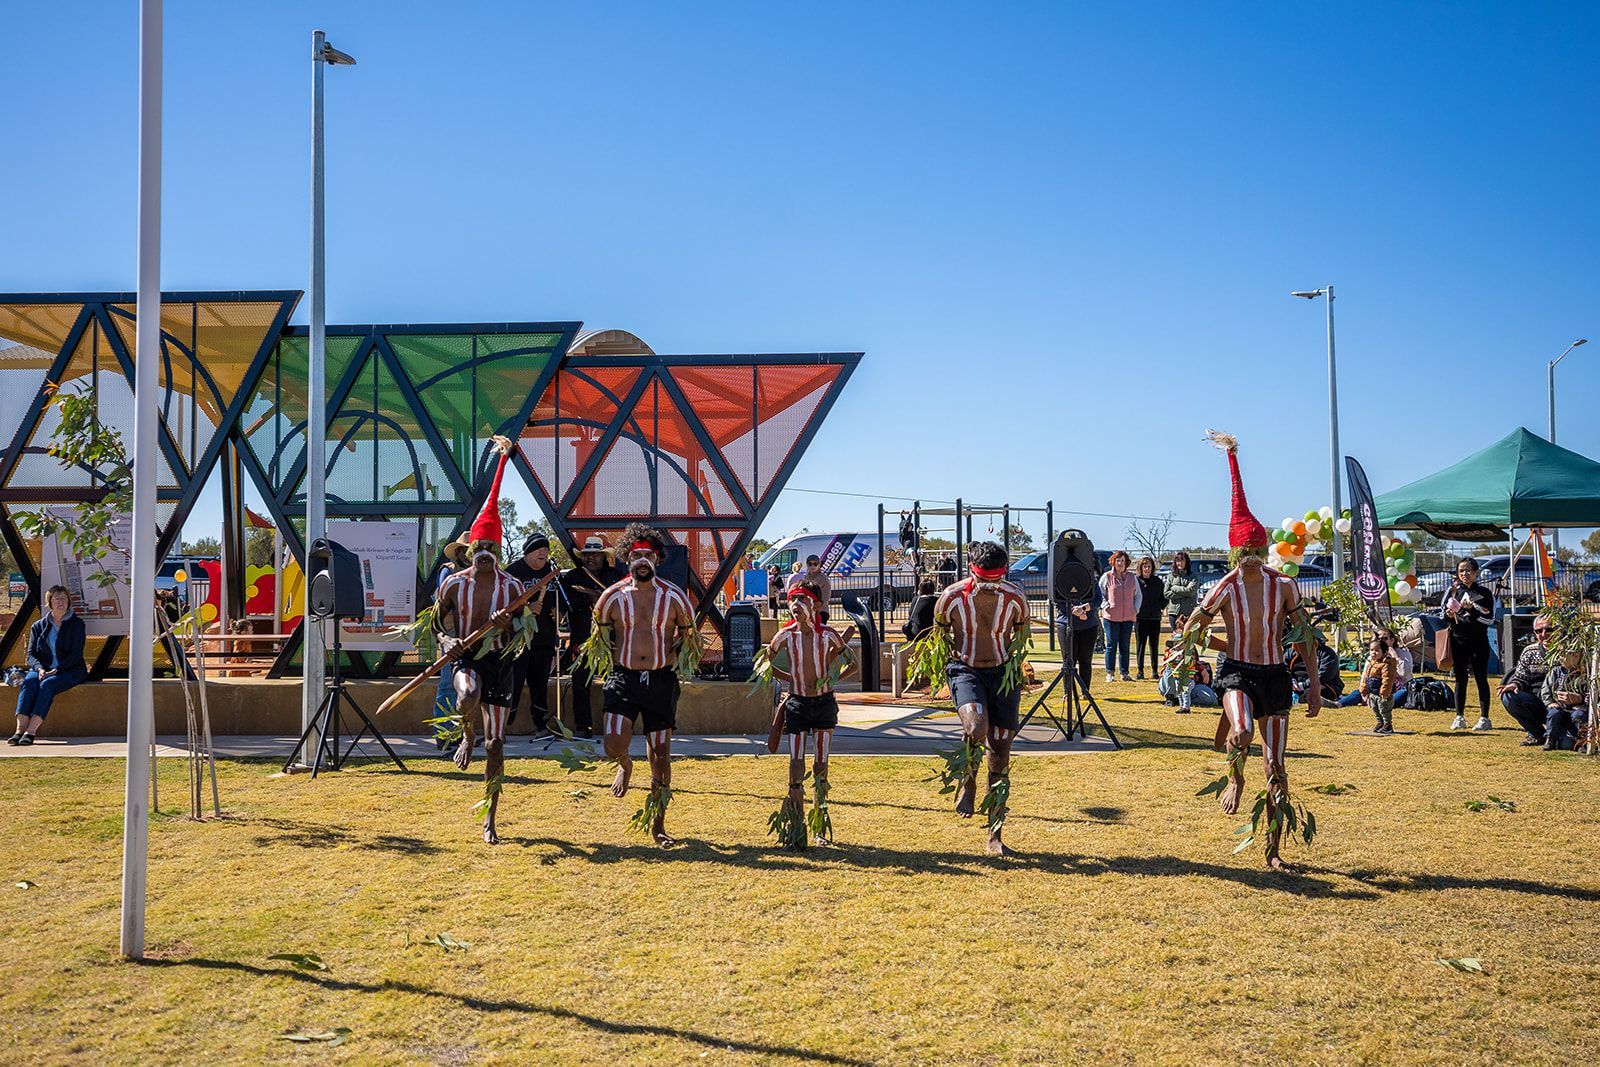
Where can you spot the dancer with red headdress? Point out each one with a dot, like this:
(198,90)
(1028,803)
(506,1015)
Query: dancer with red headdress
(469,600)
(1261,611)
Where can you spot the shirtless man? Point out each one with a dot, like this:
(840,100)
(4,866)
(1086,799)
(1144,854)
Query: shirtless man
(984,613)
(468,600)
(1259,607)
(803,654)
(648,619)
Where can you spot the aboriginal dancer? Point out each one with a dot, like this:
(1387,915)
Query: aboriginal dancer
(810,658)
(1261,612)
(644,630)
(485,675)
(986,622)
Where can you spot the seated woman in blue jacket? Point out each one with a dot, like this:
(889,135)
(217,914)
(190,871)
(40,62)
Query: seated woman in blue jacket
(55,664)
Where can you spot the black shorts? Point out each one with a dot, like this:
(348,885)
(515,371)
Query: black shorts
(653,694)
(1267,685)
(981,685)
(497,678)
(810,713)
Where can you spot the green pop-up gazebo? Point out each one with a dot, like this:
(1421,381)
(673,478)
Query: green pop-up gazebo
(1520,480)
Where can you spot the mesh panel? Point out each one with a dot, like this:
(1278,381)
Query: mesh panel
(274,419)
(787,398)
(723,399)
(439,369)
(42,326)
(559,442)
(681,459)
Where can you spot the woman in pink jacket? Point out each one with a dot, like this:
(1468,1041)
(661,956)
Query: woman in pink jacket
(1120,588)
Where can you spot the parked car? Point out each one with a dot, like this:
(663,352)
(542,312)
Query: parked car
(1311,579)
(1525,582)
(1433,585)
(1032,572)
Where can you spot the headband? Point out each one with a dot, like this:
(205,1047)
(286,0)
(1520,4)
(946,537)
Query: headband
(645,545)
(988,574)
(802,591)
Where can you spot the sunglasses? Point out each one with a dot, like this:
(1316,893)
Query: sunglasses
(1541,629)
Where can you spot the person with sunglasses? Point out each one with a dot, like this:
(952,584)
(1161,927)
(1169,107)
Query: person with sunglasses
(1520,691)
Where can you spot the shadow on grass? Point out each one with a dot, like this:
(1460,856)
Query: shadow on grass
(1162,739)
(943,809)
(1391,882)
(317,835)
(865,857)
(515,1007)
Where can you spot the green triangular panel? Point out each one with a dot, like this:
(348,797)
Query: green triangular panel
(273,421)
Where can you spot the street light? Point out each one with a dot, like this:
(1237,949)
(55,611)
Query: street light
(322,53)
(1550,371)
(1333,426)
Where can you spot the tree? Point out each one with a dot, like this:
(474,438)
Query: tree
(1591,545)
(1423,541)
(1151,539)
(258,548)
(758,547)
(205,546)
(1020,538)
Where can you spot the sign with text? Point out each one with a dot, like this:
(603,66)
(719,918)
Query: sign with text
(98,586)
(388,555)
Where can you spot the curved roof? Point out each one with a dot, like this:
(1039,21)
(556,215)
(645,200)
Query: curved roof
(609,343)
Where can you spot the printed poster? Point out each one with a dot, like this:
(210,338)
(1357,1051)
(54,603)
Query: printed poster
(388,555)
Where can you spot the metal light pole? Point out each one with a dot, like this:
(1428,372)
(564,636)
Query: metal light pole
(1550,371)
(314,647)
(142,573)
(1333,429)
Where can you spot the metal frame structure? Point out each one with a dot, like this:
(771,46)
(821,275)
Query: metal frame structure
(411,408)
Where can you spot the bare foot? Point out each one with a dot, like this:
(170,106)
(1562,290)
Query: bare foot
(619,784)
(1230,796)
(463,754)
(997,847)
(965,797)
(659,833)
(489,836)
(1276,863)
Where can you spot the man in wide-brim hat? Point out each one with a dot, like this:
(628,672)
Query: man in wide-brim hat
(581,587)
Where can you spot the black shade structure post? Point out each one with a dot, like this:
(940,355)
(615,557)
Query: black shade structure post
(961,545)
(881,575)
(1049,540)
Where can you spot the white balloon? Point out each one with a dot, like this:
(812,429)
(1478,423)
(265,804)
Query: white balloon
(1287,524)
(1342,525)
(1326,512)
(1314,527)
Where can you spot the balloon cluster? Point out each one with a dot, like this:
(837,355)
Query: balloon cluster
(1289,540)
(1400,561)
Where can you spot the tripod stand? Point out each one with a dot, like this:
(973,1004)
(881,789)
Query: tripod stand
(1075,697)
(325,723)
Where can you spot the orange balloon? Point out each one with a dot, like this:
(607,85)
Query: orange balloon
(1299,529)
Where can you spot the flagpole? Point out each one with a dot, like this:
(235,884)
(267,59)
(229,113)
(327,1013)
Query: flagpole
(147,335)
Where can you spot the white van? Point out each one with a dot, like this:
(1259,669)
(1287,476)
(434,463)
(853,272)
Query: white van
(850,560)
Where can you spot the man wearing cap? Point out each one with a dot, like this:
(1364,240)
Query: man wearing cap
(1260,608)
(813,574)
(533,667)
(647,619)
(581,586)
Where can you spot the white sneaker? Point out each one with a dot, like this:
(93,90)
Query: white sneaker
(1483,724)
(1110,677)
(1460,723)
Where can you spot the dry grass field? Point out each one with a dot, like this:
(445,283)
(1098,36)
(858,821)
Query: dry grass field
(1125,931)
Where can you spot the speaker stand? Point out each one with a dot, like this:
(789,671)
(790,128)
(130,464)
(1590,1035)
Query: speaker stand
(1075,697)
(325,722)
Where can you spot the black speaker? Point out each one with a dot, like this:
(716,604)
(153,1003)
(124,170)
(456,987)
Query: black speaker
(740,641)
(335,590)
(1072,568)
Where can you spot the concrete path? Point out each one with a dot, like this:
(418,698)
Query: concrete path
(864,730)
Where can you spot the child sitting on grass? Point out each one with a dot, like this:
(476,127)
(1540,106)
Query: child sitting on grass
(1566,700)
(1377,682)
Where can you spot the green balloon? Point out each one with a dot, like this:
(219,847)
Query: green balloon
(1291,569)
(1312,514)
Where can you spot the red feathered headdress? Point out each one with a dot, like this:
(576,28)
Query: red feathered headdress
(486,527)
(1244,529)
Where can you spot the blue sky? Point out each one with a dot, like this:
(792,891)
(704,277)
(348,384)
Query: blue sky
(1063,234)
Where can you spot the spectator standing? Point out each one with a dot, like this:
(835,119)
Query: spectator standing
(1147,626)
(1566,696)
(533,667)
(774,589)
(1469,609)
(1521,690)
(1119,591)
(1378,682)
(582,585)
(55,664)
(1076,626)
(947,570)
(1182,590)
(921,620)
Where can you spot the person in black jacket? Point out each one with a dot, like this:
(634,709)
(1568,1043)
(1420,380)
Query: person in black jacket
(533,669)
(581,586)
(55,664)
(1147,624)
(1469,607)
(921,620)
